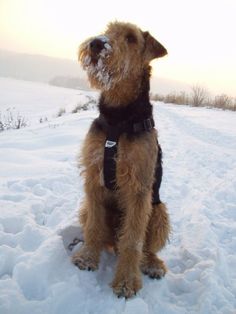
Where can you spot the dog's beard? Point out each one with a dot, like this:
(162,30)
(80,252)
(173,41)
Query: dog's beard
(96,67)
(103,73)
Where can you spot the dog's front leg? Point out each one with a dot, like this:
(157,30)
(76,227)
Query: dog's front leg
(94,232)
(127,279)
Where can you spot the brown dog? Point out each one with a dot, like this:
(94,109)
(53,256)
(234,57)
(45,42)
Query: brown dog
(122,159)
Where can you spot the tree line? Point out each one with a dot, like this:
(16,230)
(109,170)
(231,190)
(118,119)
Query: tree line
(198,97)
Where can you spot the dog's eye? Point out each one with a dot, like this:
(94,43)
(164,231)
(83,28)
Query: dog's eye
(131,39)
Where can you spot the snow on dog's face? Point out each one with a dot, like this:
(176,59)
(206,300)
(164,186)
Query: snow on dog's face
(93,55)
(120,54)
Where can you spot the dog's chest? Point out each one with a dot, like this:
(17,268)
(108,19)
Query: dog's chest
(133,160)
(95,154)
(94,150)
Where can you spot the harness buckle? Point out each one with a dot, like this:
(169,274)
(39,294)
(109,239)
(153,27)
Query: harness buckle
(145,125)
(148,124)
(110,144)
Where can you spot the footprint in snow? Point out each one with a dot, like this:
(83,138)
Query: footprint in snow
(72,237)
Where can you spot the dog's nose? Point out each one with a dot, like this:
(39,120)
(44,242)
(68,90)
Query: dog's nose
(96,45)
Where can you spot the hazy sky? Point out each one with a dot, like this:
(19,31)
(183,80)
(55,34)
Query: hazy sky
(198,34)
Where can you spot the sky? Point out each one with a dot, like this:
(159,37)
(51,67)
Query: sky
(198,34)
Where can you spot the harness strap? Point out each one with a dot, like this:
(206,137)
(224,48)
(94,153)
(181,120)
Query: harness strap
(110,153)
(145,125)
(111,146)
(158,177)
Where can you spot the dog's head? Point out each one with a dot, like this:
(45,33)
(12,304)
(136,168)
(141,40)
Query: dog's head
(122,52)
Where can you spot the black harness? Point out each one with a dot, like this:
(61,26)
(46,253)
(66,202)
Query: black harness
(111,145)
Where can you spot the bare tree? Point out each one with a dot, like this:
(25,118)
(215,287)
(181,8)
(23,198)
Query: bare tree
(234,105)
(199,95)
(223,101)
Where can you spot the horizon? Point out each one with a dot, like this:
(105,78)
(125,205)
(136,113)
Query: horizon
(198,36)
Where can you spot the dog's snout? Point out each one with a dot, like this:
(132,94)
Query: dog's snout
(96,45)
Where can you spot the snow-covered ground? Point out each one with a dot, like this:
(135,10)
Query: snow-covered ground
(40,191)
(37,101)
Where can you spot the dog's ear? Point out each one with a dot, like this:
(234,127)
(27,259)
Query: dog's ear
(153,49)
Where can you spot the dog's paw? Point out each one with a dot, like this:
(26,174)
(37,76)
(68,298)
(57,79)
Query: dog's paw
(85,260)
(127,287)
(154,267)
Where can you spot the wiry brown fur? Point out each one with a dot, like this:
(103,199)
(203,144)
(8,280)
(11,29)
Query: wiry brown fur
(124,218)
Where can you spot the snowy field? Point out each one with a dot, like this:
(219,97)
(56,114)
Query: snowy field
(40,191)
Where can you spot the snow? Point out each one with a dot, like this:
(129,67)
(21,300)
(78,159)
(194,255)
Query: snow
(40,192)
(39,100)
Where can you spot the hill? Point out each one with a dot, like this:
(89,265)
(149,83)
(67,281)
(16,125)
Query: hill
(63,72)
